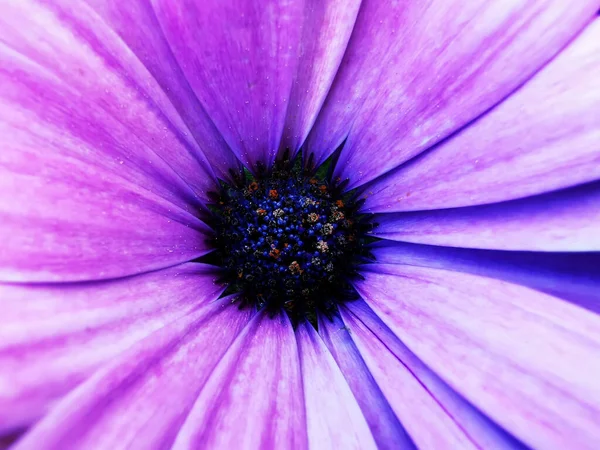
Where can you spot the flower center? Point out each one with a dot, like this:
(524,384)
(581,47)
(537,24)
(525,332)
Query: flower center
(289,240)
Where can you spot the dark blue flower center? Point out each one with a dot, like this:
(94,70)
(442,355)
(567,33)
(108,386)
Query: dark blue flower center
(289,240)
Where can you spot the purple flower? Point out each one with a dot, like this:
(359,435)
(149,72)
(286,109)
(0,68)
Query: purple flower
(172,277)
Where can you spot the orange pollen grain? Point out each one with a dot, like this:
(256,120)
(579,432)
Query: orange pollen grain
(295,267)
(338,215)
(313,217)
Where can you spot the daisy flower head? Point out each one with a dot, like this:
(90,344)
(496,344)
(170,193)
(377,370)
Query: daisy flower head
(299,224)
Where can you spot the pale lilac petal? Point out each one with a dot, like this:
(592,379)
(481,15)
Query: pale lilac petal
(526,359)
(68,73)
(560,221)
(333,417)
(52,337)
(432,413)
(571,276)
(240,58)
(543,137)
(385,427)
(253,399)
(325,33)
(148,43)
(140,400)
(415,72)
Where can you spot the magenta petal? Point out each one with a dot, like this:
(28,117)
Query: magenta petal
(140,400)
(543,137)
(240,58)
(52,337)
(571,276)
(432,413)
(427,68)
(253,399)
(148,43)
(385,427)
(561,221)
(528,360)
(325,33)
(333,417)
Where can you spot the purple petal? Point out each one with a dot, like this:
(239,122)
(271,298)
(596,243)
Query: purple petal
(65,221)
(140,400)
(432,413)
(8,440)
(85,90)
(528,360)
(543,137)
(240,58)
(90,189)
(333,417)
(146,40)
(571,276)
(253,399)
(416,72)
(325,33)
(387,431)
(560,221)
(52,337)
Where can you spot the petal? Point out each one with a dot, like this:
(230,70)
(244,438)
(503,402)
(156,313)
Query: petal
(416,72)
(68,222)
(83,195)
(432,413)
(52,337)
(140,400)
(543,137)
(8,440)
(240,58)
(333,417)
(253,399)
(571,276)
(146,40)
(561,221)
(85,86)
(528,360)
(325,34)
(387,430)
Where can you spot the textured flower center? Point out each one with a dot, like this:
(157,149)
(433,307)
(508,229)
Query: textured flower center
(289,240)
